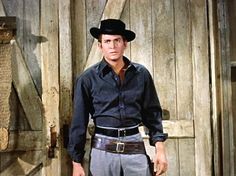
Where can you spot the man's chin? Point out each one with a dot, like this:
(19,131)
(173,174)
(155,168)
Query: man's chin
(114,59)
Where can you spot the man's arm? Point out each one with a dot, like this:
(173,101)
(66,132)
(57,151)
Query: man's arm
(78,170)
(160,160)
(77,133)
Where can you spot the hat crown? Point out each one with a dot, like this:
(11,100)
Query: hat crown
(112,25)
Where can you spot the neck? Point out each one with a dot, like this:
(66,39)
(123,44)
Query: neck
(116,65)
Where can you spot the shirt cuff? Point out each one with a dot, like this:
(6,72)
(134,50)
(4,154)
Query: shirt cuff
(77,157)
(158,138)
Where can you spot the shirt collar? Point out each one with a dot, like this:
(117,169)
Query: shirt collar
(104,68)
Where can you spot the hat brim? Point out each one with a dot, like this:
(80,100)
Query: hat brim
(129,35)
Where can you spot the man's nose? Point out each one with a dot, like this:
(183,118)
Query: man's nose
(112,44)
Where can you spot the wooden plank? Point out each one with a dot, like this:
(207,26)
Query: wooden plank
(233,63)
(184,72)
(176,128)
(125,17)
(232,25)
(26,91)
(50,85)
(184,82)
(2,11)
(165,69)
(203,142)
(164,54)
(215,88)
(27,164)
(65,78)
(187,159)
(228,148)
(173,159)
(24,141)
(79,40)
(141,24)
(31,41)
(109,12)
(65,62)
(10,7)
(234,117)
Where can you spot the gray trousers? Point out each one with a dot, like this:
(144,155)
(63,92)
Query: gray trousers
(104,163)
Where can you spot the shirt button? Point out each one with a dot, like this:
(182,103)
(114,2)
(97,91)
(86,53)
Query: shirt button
(121,106)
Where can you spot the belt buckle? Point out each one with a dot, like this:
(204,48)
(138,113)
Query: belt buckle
(121,132)
(120,147)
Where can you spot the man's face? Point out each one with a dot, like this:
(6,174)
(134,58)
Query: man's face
(112,47)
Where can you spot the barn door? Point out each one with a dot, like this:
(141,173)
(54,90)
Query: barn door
(38,87)
(21,108)
(172,43)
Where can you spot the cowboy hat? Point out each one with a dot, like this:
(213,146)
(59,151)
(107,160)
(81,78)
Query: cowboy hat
(112,27)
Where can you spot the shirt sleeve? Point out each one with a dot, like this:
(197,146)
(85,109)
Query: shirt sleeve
(77,133)
(152,112)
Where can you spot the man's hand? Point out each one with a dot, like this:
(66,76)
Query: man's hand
(160,161)
(78,170)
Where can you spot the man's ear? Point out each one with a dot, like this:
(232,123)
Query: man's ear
(125,43)
(99,45)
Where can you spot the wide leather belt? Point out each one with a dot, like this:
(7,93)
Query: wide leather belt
(119,132)
(117,146)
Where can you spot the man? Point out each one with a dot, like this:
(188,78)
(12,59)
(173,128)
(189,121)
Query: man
(119,95)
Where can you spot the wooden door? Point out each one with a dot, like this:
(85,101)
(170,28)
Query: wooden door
(22,154)
(172,42)
(40,97)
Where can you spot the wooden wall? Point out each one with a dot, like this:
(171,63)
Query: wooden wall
(171,44)
(232,40)
(52,47)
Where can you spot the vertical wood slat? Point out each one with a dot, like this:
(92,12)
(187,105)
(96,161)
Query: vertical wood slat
(79,40)
(125,17)
(66,89)
(31,40)
(141,51)
(50,83)
(184,72)
(223,83)
(228,147)
(164,70)
(184,81)
(216,88)
(232,25)
(2,11)
(203,145)
(164,54)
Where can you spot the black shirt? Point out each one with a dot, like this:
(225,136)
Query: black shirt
(100,93)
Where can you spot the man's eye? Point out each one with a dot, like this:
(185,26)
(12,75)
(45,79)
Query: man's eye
(118,40)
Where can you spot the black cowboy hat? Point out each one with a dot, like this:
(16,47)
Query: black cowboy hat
(113,27)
